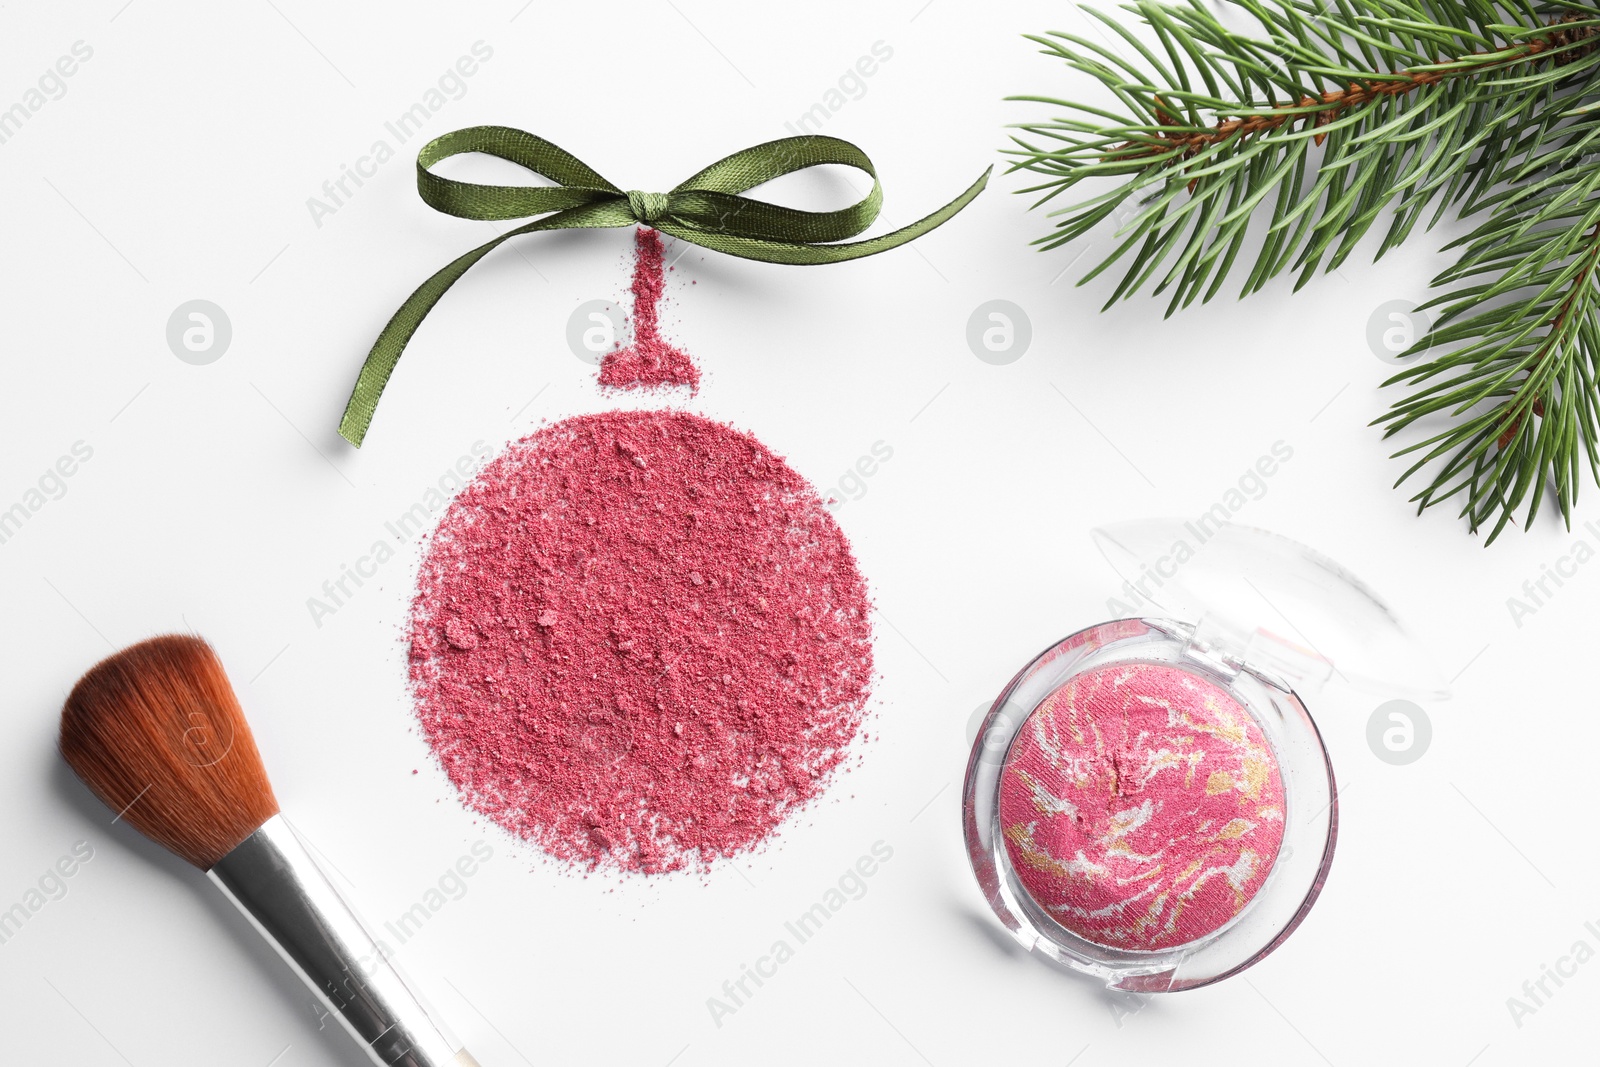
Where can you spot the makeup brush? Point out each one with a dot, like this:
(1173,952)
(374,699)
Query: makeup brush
(156,732)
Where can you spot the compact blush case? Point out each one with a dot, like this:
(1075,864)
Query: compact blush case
(1150,801)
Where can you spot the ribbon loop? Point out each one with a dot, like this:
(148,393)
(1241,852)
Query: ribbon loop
(707,209)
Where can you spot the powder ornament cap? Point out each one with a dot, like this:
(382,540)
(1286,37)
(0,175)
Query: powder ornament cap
(1275,603)
(707,209)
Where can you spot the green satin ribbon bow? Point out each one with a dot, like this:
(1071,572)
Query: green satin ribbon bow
(706,210)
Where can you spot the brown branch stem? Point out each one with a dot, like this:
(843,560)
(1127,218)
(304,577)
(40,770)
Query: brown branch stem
(1563,46)
(1556,324)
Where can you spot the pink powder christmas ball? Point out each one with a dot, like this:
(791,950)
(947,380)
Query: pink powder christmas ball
(640,641)
(1141,806)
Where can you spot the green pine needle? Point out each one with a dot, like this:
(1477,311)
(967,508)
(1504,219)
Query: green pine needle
(1336,116)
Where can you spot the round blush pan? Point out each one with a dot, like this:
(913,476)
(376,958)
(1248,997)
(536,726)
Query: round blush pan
(1141,806)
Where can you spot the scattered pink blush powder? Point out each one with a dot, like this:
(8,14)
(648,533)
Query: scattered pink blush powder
(1142,806)
(639,641)
(650,362)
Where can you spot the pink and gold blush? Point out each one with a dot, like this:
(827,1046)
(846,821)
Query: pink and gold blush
(1142,806)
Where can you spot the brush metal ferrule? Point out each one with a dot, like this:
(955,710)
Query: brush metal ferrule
(272,879)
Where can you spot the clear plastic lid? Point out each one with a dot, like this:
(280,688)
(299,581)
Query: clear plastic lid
(1270,604)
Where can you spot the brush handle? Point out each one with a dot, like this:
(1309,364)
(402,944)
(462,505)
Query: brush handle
(272,879)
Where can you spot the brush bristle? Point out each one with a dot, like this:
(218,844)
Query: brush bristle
(156,732)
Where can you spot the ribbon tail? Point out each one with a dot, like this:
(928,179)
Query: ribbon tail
(801,254)
(386,350)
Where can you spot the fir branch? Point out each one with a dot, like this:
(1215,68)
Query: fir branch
(1233,120)
(1338,115)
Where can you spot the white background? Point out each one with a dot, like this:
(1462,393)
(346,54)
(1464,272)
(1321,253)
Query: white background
(218,499)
